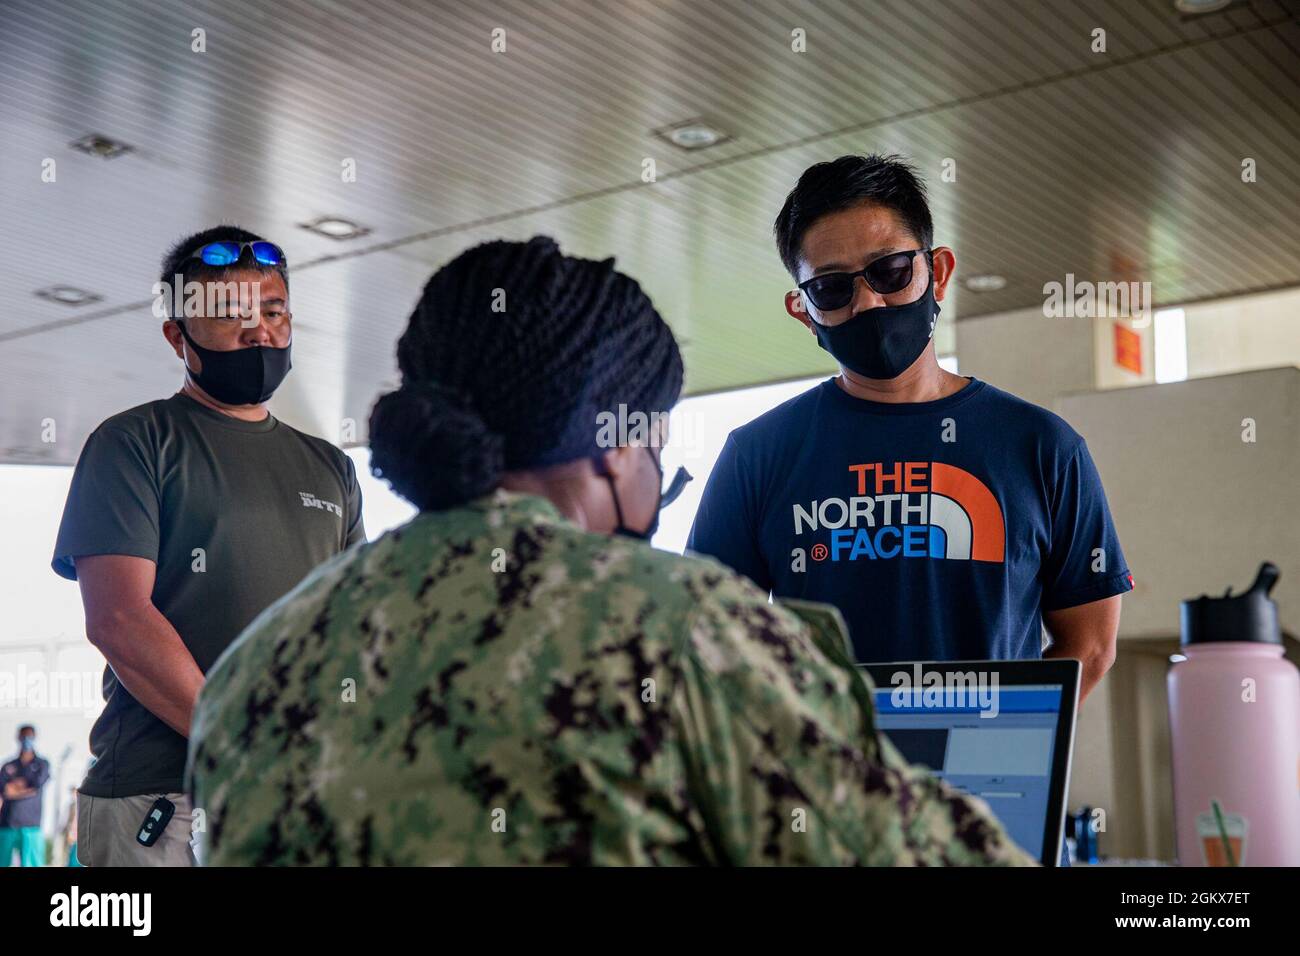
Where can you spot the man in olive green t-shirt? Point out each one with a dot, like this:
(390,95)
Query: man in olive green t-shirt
(186,518)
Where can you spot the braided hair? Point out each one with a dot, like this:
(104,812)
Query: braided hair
(512,353)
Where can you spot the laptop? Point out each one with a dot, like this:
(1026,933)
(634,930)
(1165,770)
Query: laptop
(1001,730)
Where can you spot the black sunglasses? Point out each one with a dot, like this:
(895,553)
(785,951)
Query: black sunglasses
(888,274)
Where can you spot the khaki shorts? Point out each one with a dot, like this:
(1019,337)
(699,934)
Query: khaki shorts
(107,828)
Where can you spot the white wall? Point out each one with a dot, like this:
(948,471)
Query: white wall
(1249,332)
(1197,507)
(1040,359)
(1028,354)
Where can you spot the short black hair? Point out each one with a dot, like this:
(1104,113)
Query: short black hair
(195,270)
(846,182)
(26,727)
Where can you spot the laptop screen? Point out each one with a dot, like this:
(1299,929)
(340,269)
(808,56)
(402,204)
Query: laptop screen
(999,743)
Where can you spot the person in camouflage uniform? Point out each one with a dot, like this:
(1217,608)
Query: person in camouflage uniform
(502,681)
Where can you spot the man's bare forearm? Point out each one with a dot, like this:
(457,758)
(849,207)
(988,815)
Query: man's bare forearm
(152,662)
(1087,633)
(1095,667)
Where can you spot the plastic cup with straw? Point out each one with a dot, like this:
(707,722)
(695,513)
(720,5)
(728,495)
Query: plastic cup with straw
(1223,832)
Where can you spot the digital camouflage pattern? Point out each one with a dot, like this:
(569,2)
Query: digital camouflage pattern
(589,700)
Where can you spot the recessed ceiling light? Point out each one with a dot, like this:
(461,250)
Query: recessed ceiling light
(985,283)
(693,134)
(1194,7)
(95,145)
(67,295)
(335,227)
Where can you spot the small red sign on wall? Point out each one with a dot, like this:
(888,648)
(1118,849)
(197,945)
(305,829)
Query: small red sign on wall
(1128,349)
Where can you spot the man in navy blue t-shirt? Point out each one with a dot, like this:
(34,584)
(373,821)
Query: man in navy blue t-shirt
(945,518)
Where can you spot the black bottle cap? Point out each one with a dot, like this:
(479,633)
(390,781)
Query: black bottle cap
(1249,616)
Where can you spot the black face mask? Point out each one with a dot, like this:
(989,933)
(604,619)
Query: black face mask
(882,342)
(666,498)
(247,376)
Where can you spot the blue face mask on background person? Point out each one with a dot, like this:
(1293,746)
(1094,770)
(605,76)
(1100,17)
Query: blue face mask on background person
(27,743)
(247,376)
(882,342)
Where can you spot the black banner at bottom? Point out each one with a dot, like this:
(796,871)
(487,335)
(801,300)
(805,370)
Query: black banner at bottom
(300,906)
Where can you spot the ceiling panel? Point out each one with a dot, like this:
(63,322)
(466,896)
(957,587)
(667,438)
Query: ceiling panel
(1117,165)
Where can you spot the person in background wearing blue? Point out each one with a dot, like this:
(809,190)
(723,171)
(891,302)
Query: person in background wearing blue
(944,517)
(21,782)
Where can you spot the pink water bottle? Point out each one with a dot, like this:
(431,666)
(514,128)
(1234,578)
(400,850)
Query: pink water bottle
(1234,720)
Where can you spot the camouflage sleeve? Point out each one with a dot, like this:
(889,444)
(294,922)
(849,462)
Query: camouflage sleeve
(783,759)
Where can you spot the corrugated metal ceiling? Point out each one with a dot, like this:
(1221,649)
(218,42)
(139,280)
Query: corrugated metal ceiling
(1067,161)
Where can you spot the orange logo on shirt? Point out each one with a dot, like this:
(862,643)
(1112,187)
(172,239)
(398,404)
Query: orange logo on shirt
(922,509)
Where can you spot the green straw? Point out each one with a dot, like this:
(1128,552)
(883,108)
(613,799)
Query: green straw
(1223,832)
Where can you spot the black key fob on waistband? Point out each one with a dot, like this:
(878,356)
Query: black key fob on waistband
(155,821)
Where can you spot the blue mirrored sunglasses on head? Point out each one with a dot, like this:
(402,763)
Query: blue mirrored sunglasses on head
(228,253)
